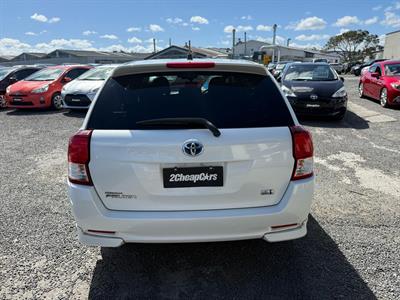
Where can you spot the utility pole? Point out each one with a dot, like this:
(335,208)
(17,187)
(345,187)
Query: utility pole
(288,41)
(190,53)
(245,43)
(154,45)
(233,42)
(170,42)
(274,34)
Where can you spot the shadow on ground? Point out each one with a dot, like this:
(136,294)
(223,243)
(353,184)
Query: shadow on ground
(351,120)
(32,111)
(309,268)
(80,114)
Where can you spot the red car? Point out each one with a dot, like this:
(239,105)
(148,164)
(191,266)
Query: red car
(382,82)
(43,88)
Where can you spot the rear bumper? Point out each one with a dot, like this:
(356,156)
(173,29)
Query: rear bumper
(191,226)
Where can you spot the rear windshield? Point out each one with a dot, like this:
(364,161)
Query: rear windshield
(228,100)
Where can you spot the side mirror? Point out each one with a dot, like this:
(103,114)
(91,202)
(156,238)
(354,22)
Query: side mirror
(375,75)
(13,79)
(67,79)
(342,78)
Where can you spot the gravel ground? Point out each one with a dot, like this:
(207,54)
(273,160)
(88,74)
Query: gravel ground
(351,251)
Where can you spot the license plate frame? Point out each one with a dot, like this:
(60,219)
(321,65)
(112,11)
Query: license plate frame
(184,177)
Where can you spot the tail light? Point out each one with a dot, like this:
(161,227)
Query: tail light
(191,65)
(79,157)
(302,152)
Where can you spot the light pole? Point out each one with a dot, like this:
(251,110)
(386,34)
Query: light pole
(233,42)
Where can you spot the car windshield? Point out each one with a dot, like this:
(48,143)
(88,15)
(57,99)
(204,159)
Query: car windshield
(280,66)
(99,73)
(228,100)
(45,75)
(314,72)
(4,72)
(392,70)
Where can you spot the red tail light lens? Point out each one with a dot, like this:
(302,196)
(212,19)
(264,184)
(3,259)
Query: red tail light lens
(191,65)
(303,152)
(79,157)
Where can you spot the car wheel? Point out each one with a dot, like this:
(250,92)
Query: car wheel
(3,103)
(56,101)
(384,98)
(361,90)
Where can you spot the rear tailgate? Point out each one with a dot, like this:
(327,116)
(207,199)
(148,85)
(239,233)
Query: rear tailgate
(127,168)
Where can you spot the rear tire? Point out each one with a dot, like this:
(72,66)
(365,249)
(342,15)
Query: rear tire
(361,90)
(56,101)
(3,103)
(384,98)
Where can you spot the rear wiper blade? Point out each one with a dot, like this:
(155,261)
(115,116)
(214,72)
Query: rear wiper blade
(183,121)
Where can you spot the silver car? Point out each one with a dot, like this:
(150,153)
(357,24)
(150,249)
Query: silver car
(79,93)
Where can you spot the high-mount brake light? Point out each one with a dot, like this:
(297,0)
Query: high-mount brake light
(191,65)
(303,151)
(79,157)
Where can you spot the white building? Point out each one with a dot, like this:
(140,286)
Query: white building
(392,45)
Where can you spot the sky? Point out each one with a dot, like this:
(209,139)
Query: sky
(42,26)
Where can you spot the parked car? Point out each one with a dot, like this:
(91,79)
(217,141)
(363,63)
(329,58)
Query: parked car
(320,60)
(43,88)
(271,66)
(315,89)
(277,71)
(170,163)
(382,82)
(80,93)
(356,70)
(10,75)
(339,68)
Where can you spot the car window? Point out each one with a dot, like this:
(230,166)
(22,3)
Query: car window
(392,69)
(378,70)
(24,73)
(309,72)
(228,100)
(99,73)
(372,69)
(4,72)
(75,73)
(48,74)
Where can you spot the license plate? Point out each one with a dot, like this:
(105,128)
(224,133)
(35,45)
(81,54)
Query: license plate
(17,99)
(193,177)
(75,100)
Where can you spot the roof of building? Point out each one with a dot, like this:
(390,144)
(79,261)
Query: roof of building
(202,52)
(91,53)
(29,54)
(393,32)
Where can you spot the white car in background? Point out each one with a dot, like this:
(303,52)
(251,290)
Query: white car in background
(79,93)
(190,151)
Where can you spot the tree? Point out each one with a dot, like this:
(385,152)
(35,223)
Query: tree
(354,45)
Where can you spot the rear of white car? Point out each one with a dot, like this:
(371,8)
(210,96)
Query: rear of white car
(189,151)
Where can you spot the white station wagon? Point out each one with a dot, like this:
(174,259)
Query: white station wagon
(190,151)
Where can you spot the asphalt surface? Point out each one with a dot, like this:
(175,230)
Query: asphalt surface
(352,249)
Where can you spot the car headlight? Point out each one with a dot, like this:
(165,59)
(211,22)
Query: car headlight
(8,89)
(340,93)
(41,89)
(395,85)
(288,92)
(93,91)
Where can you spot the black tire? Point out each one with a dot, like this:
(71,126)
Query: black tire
(361,90)
(56,102)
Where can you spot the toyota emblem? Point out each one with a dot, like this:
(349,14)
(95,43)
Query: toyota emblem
(314,97)
(192,147)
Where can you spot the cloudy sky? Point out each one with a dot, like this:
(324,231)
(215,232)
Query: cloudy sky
(42,26)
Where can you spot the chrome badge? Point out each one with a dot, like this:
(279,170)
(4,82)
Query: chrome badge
(192,147)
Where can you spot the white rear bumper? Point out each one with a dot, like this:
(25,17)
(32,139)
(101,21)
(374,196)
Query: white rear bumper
(191,226)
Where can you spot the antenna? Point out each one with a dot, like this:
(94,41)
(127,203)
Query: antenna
(190,54)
